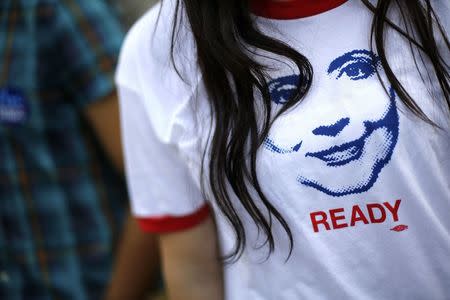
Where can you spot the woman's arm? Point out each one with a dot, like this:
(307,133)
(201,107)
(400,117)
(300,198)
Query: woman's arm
(136,270)
(137,250)
(191,263)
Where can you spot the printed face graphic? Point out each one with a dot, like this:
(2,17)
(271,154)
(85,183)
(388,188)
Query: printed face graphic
(340,148)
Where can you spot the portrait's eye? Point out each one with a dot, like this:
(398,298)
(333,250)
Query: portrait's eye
(355,65)
(283,88)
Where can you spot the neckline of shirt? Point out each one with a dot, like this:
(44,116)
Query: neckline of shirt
(293,9)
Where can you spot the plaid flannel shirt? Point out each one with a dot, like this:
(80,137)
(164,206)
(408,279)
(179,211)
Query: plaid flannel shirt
(61,202)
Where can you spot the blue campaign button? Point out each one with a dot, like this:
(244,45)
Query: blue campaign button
(14,107)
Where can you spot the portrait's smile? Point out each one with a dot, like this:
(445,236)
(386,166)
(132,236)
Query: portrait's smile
(345,153)
(340,155)
(330,160)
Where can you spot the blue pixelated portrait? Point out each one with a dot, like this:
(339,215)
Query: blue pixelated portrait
(342,147)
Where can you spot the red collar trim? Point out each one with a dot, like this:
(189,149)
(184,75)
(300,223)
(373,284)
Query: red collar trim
(293,9)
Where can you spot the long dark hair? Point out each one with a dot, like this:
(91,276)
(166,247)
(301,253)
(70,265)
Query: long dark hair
(225,34)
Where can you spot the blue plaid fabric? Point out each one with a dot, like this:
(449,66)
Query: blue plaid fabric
(61,202)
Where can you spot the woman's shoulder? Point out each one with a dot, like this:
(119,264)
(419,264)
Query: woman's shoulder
(161,74)
(149,52)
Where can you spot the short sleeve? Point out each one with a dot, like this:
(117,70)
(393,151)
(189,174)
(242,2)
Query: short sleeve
(164,195)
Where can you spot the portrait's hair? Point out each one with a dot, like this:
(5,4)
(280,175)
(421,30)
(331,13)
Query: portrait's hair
(226,35)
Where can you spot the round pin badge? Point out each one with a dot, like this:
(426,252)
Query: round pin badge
(14,107)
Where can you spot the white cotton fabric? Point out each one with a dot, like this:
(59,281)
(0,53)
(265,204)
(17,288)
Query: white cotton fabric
(363,184)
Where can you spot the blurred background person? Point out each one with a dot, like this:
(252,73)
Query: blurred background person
(62,196)
(131,10)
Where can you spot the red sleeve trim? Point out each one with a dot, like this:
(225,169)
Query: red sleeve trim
(166,224)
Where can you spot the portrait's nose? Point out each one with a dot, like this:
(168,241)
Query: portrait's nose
(332,130)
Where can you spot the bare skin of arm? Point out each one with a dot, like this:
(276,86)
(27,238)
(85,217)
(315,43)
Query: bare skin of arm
(103,117)
(137,265)
(191,263)
(138,252)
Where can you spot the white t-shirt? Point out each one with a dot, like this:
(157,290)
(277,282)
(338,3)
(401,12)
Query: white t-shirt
(363,184)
